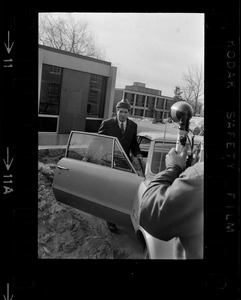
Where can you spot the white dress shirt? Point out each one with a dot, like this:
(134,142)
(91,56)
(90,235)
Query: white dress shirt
(124,123)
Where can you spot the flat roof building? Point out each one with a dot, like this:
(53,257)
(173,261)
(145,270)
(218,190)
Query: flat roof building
(75,92)
(145,102)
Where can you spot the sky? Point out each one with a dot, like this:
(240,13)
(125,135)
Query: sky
(152,48)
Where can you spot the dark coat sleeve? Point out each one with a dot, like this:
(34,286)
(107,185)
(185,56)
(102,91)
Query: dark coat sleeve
(109,127)
(102,129)
(173,204)
(135,149)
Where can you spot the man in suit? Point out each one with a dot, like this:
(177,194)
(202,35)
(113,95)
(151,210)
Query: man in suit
(126,132)
(122,128)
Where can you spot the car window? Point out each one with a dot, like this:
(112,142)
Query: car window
(91,148)
(98,150)
(144,144)
(120,161)
(159,156)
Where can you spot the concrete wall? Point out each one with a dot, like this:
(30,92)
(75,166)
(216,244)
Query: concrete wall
(72,61)
(73,101)
(110,93)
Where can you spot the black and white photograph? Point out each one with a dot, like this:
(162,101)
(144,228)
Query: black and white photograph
(107,188)
(120,135)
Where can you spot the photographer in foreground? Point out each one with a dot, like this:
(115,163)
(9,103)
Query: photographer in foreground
(173,205)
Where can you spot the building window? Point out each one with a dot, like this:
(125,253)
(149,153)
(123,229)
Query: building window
(49,105)
(94,78)
(150,103)
(130,97)
(53,92)
(55,70)
(97,93)
(149,113)
(49,98)
(168,104)
(47,124)
(93,96)
(140,100)
(160,103)
(50,90)
(138,112)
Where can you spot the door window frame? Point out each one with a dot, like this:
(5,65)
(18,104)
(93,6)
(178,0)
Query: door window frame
(114,140)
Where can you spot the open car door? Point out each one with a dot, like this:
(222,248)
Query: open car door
(96,177)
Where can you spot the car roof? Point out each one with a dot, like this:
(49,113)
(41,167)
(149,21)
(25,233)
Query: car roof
(169,137)
(158,135)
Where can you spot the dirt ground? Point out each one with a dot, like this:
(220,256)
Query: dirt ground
(67,233)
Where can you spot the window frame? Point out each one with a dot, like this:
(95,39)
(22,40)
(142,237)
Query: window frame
(164,149)
(47,85)
(55,70)
(114,140)
(50,117)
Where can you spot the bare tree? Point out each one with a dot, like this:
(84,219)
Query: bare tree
(177,94)
(66,33)
(193,88)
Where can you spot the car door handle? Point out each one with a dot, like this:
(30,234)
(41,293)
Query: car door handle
(62,168)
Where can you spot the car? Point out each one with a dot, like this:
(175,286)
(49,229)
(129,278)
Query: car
(96,177)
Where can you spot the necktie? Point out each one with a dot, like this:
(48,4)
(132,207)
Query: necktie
(122,128)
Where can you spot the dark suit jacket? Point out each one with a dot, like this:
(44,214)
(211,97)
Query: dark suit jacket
(128,139)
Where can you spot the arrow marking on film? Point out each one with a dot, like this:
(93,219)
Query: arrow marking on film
(9,47)
(7,164)
(8,294)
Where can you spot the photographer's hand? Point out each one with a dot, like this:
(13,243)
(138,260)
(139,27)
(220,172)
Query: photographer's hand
(172,158)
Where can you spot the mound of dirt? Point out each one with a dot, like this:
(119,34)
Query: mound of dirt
(67,233)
